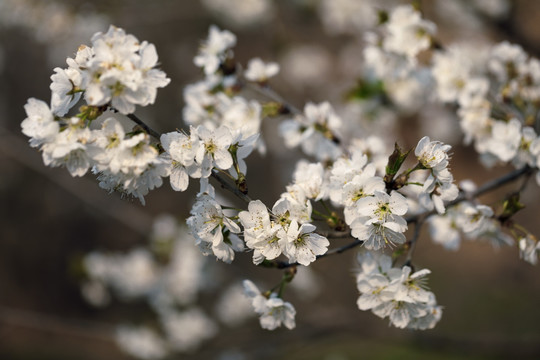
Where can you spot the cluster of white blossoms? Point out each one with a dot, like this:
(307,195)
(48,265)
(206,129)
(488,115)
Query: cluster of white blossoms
(379,220)
(391,55)
(197,154)
(474,221)
(117,70)
(353,186)
(125,162)
(283,230)
(170,275)
(214,232)
(374,216)
(396,293)
(271,234)
(496,90)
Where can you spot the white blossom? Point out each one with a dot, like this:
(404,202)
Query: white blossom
(273,311)
(408,33)
(362,185)
(529,248)
(302,245)
(242,13)
(233,306)
(505,139)
(432,154)
(317,131)
(453,68)
(436,191)
(443,230)
(182,149)
(260,71)
(65,89)
(215,49)
(186,330)
(69,148)
(208,224)
(311,178)
(141,342)
(39,124)
(379,222)
(132,274)
(506,58)
(213,150)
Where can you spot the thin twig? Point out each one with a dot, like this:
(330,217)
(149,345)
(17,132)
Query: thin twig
(146,128)
(266,91)
(485,188)
(335,234)
(233,189)
(277,264)
(416,235)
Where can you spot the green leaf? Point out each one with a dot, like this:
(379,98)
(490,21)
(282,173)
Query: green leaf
(511,206)
(395,160)
(273,109)
(365,90)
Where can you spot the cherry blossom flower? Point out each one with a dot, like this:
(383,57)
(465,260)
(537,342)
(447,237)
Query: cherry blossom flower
(302,245)
(39,124)
(379,222)
(529,248)
(213,230)
(260,233)
(316,131)
(432,154)
(121,72)
(408,33)
(182,150)
(141,342)
(214,50)
(273,311)
(259,71)
(213,150)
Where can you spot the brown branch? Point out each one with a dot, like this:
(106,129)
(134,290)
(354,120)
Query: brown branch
(416,235)
(227,186)
(142,124)
(485,188)
(266,91)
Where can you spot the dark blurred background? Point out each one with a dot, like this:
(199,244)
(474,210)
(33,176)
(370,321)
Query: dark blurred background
(49,220)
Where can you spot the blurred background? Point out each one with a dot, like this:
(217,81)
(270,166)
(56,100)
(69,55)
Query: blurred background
(49,221)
